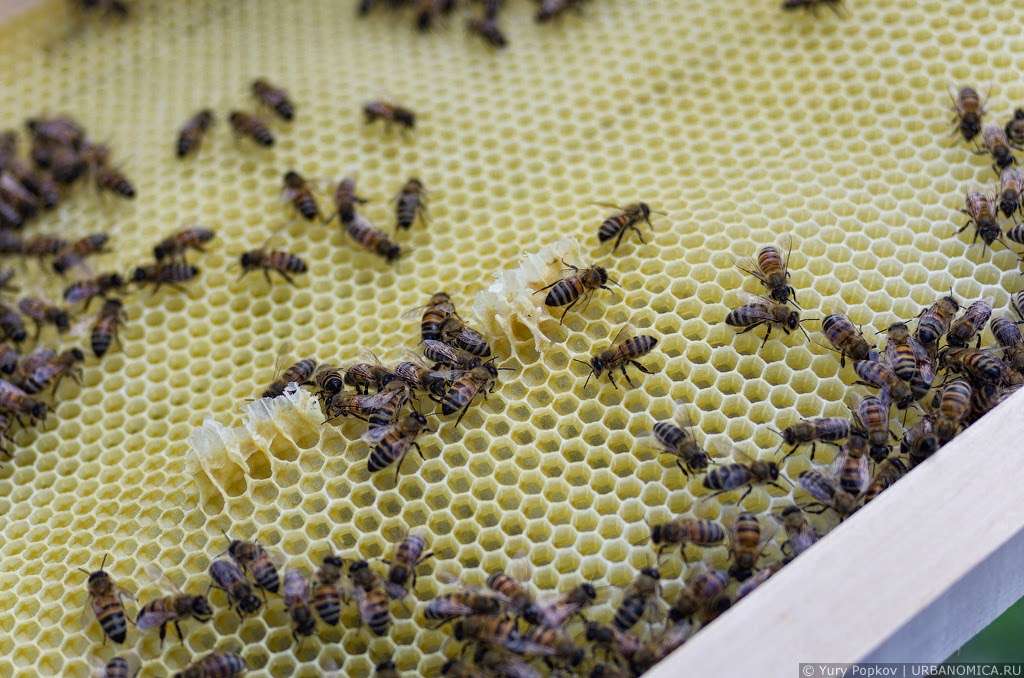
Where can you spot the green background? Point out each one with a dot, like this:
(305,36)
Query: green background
(999,642)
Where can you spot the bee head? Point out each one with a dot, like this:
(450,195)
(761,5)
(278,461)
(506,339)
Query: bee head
(200,606)
(577,657)
(140,274)
(448,666)
(292,179)
(77,354)
(598,633)
(112,281)
(39,411)
(969,127)
(589,590)
(248,259)
(645,210)
(651,572)
(793,321)
(250,603)
(392,252)
(656,534)
(357,567)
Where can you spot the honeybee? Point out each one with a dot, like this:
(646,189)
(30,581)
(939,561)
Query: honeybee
(812,5)
(703,597)
(402,566)
(462,603)
(273,97)
(800,535)
(465,389)
(346,199)
(296,600)
(623,351)
(172,609)
(40,184)
(43,367)
(390,112)
(1015,127)
(685,530)
(732,476)
(969,110)
(675,439)
(887,473)
(826,493)
(553,644)
(372,238)
(851,465)
(489,29)
(90,288)
(549,9)
(299,372)
(42,312)
(419,377)
(387,408)
(903,351)
(80,249)
(11,325)
(954,405)
(758,578)
(661,644)
(112,179)
(513,589)
(227,576)
(8,358)
(498,662)
(456,668)
(493,630)
(934,321)
(215,665)
(250,126)
(254,559)
(278,261)
(981,212)
(366,374)
(624,644)
(191,135)
(983,399)
(410,202)
(980,365)
(994,140)
(329,380)
(456,333)
(919,441)
(757,311)
(824,429)
(169,273)
(105,598)
(44,246)
(449,356)
(386,669)
(15,401)
(1016,234)
(1011,191)
(772,268)
(370,597)
(18,197)
(61,130)
(1008,335)
(326,592)
(118,667)
(66,164)
(300,194)
(746,543)
(557,611)
(881,376)
(627,218)
(393,442)
(379,409)
(871,419)
(970,323)
(581,285)
(175,245)
(1017,303)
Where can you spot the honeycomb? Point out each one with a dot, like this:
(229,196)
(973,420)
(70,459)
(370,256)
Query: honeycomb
(741,122)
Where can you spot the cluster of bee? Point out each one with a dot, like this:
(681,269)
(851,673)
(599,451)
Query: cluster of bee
(250,125)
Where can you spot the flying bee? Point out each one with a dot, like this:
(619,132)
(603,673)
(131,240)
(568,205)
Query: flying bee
(981,211)
(919,441)
(800,535)
(824,429)
(61,130)
(248,125)
(871,419)
(969,110)
(44,246)
(1007,334)
(624,644)
(581,285)
(172,609)
(493,630)
(456,333)
(747,473)
(216,665)
(1011,191)
(228,577)
(372,238)
(268,260)
(368,374)
(772,268)
(1015,127)
(390,112)
(826,493)
(684,530)
(464,390)
(623,351)
(402,566)
(703,597)
(42,312)
(934,321)
(106,601)
(11,325)
(175,245)
(346,199)
(410,203)
(954,404)
(274,98)
(393,442)
(190,137)
(757,311)
(299,372)
(812,5)
(627,218)
(747,541)
(970,323)
(903,351)
(326,591)
(981,366)
(886,475)
(881,376)
(996,144)
(300,194)
(75,255)
(15,401)
(557,611)
(851,465)
(105,329)
(170,273)
(90,288)
(370,597)
(489,29)
(549,9)
(295,589)
(552,643)
(437,310)
(676,439)
(254,559)
(39,370)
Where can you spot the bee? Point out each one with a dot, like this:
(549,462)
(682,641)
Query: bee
(981,210)
(757,311)
(169,273)
(67,165)
(346,199)
(970,323)
(410,202)
(370,373)
(640,597)
(451,356)
(90,288)
(15,401)
(370,597)
(192,132)
(881,376)
(254,559)
(8,358)
(628,218)
(402,566)
(624,644)
(386,669)
(175,245)
(557,611)
(934,321)
(378,408)
(800,535)
(61,131)
(80,249)
(623,351)
(227,576)
(215,665)
(42,312)
(758,578)
(553,644)
(984,398)
(372,238)
(44,246)
(1015,127)
(887,473)
(106,600)
(871,419)
(581,285)
(498,662)
(462,603)
(456,333)
(1017,303)
(489,29)
(326,592)
(727,477)
(903,351)
(11,242)
(772,268)
(390,112)
(746,543)
(296,599)
(512,588)
(172,609)
(118,667)
(826,493)
(456,668)
(40,184)
(329,380)
(954,404)
(18,197)
(1008,335)
(998,146)
(685,530)
(393,442)
(824,429)
(661,644)
(274,98)
(1011,191)
(300,194)
(675,439)
(462,392)
(981,366)
(919,441)
(11,325)
(250,126)
(549,9)
(851,465)
(112,179)
(812,5)
(419,377)
(299,372)
(10,217)
(969,110)
(493,630)
(279,261)
(38,370)
(386,409)
(703,597)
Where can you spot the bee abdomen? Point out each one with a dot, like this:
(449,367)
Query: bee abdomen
(610,228)
(628,613)
(327,603)
(565,292)
(668,434)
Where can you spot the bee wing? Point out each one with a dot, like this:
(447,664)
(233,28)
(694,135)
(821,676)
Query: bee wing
(749,265)
(283,350)
(785,245)
(157,575)
(520,568)
(623,334)
(681,416)
(151,619)
(370,357)
(758,306)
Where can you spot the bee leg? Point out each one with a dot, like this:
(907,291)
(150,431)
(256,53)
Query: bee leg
(640,234)
(750,488)
(619,239)
(181,637)
(626,376)
(640,367)
(287,277)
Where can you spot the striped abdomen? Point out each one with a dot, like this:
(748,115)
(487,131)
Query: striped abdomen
(728,477)
(327,602)
(565,291)
(110,614)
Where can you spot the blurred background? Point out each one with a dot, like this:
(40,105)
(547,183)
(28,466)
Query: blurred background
(1000,642)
